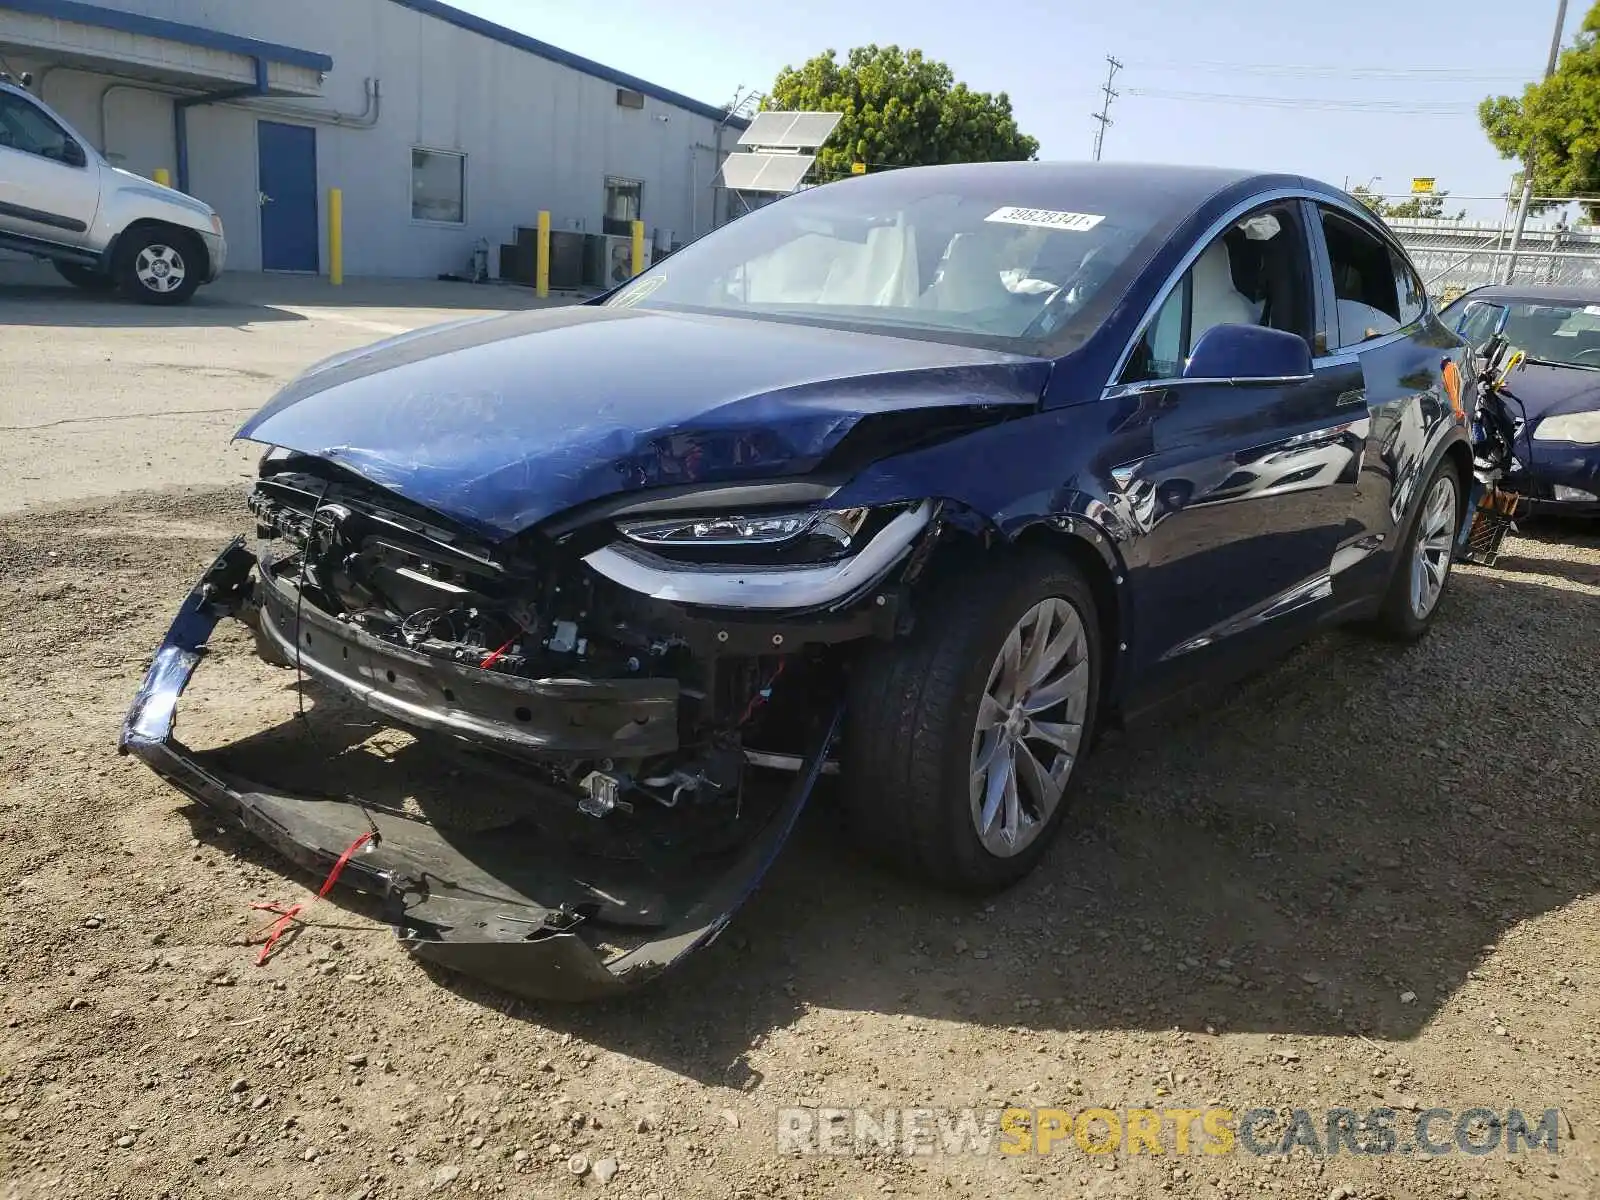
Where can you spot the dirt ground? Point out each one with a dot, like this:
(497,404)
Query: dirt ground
(1367,878)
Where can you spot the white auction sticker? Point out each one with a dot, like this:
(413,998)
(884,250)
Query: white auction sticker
(1046,218)
(1592,310)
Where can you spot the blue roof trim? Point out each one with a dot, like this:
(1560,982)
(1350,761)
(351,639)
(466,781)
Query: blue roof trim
(172,31)
(521,41)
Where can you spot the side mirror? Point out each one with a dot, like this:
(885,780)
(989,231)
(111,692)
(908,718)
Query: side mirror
(1249,354)
(72,154)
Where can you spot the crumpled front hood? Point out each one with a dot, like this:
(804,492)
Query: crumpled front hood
(502,422)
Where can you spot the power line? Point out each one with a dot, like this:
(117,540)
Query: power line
(1419,108)
(1414,74)
(1104,115)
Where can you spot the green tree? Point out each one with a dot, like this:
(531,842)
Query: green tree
(900,110)
(1429,206)
(1370,198)
(1556,122)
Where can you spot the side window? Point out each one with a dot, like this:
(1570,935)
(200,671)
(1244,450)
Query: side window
(1365,284)
(26,128)
(1169,333)
(1412,296)
(1477,323)
(1255,273)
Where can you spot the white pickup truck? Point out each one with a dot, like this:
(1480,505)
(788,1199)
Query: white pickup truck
(102,227)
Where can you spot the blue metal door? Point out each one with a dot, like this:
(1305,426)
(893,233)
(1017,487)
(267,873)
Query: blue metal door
(288,181)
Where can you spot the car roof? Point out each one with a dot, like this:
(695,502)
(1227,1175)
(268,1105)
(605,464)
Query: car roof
(1179,186)
(1533,294)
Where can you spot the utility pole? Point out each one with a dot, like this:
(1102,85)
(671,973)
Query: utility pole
(1104,115)
(1527,157)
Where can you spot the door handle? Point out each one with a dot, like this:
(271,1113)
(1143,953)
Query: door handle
(264,199)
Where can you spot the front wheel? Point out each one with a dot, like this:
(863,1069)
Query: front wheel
(962,740)
(159,266)
(1423,568)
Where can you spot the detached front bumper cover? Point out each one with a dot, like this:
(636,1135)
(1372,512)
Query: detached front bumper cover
(492,905)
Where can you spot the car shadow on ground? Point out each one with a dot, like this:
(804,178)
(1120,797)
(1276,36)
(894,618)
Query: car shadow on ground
(32,294)
(1577,532)
(1327,851)
(48,305)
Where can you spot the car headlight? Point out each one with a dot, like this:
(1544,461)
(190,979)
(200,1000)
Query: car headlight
(801,536)
(1583,427)
(1574,495)
(779,560)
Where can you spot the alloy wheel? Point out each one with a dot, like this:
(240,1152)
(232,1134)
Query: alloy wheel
(160,268)
(1430,561)
(1029,727)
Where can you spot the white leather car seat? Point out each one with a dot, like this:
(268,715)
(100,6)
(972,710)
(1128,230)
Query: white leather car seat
(969,279)
(1215,300)
(881,273)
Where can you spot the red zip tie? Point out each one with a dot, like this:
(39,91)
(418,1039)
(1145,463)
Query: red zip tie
(286,916)
(500,653)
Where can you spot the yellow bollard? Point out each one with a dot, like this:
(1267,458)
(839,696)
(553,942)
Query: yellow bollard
(541,256)
(638,247)
(336,236)
(162,176)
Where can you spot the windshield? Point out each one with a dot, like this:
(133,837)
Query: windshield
(1567,334)
(942,264)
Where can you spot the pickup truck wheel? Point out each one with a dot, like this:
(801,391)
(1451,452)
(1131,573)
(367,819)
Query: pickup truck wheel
(87,278)
(159,266)
(962,739)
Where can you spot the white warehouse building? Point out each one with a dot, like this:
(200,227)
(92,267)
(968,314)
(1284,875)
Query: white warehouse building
(441,130)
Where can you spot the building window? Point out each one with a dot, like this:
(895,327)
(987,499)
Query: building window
(628,98)
(438,186)
(624,203)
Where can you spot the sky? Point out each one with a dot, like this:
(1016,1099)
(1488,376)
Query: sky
(1418,70)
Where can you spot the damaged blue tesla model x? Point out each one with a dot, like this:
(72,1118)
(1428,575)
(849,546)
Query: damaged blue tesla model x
(920,478)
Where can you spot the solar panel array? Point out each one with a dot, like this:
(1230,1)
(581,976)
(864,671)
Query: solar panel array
(790,130)
(758,172)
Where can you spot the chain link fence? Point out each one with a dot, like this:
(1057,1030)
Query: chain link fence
(1454,257)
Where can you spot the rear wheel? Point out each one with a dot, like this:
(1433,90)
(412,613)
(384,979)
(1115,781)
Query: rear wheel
(159,266)
(963,738)
(87,278)
(1424,566)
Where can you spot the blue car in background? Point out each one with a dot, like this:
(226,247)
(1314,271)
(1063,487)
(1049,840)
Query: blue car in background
(1554,394)
(922,478)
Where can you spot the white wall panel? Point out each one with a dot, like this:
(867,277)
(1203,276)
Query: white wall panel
(537,133)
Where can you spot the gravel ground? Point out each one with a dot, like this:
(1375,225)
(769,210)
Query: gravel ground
(1369,876)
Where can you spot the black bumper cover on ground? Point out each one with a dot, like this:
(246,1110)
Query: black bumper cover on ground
(466,902)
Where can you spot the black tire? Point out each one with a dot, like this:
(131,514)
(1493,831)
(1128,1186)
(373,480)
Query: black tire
(912,713)
(87,278)
(138,272)
(1398,619)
